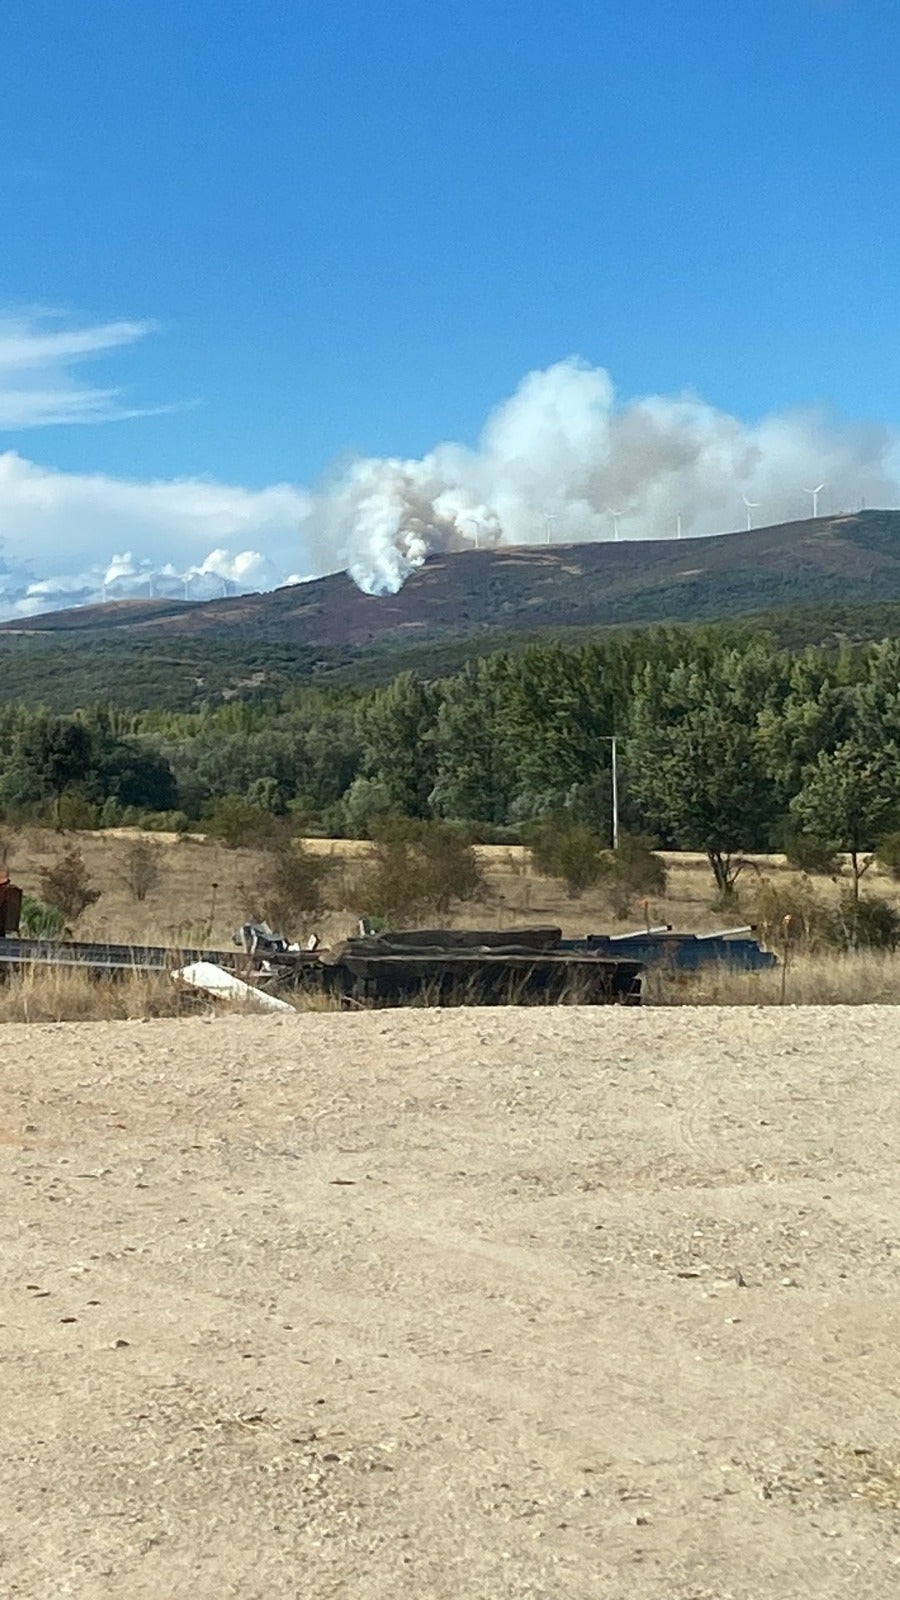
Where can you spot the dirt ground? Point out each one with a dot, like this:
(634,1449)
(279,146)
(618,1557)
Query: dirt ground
(553,1305)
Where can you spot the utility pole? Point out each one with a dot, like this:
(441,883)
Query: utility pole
(613,741)
(615,796)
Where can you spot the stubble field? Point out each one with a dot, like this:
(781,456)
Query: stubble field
(534,1304)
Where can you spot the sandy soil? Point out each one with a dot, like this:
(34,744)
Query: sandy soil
(490,1304)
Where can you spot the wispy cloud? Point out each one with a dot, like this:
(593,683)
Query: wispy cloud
(41,384)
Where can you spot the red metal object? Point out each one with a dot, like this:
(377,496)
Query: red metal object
(10,906)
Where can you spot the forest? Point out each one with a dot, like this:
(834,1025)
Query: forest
(726,743)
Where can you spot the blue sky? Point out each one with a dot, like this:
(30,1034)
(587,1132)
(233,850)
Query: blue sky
(353,228)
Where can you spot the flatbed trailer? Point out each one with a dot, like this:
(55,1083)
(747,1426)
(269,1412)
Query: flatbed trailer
(438,967)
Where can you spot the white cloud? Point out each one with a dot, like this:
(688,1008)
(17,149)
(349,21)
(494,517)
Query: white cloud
(39,384)
(58,532)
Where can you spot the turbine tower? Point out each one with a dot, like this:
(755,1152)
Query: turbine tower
(815,498)
(615,520)
(549,518)
(752,505)
(476,525)
(678,526)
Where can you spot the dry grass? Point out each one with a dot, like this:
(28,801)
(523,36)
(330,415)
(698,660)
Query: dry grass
(54,994)
(826,979)
(60,995)
(205,892)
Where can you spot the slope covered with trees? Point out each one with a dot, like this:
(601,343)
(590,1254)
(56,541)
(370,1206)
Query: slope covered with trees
(806,582)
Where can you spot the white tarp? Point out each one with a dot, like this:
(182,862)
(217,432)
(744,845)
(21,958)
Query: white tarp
(224,985)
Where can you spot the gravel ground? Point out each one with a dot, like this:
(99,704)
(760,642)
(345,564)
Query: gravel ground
(546,1304)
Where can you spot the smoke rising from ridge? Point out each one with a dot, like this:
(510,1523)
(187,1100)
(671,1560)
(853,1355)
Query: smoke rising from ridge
(562,455)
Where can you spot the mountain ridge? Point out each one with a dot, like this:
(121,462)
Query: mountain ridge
(852,558)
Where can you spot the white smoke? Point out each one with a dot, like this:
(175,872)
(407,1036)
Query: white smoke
(561,457)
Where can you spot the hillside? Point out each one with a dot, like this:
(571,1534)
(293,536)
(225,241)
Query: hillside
(852,558)
(807,581)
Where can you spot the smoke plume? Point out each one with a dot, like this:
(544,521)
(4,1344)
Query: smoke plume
(561,459)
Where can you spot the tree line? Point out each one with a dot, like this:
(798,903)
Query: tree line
(726,744)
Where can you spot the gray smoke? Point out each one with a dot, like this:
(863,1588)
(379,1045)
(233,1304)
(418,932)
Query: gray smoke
(562,456)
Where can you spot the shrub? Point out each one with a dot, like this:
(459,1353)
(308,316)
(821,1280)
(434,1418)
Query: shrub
(142,868)
(632,872)
(867,923)
(266,794)
(417,868)
(887,854)
(110,813)
(290,888)
(570,851)
(67,885)
(790,914)
(40,921)
(362,809)
(165,821)
(237,822)
(810,853)
(76,813)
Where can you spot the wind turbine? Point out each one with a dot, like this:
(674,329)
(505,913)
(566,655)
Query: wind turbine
(549,518)
(678,526)
(615,520)
(752,505)
(476,525)
(815,498)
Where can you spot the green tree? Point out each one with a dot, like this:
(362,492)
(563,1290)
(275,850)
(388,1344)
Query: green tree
(56,753)
(692,762)
(849,797)
(395,729)
(474,780)
(132,773)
